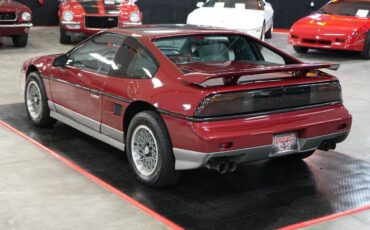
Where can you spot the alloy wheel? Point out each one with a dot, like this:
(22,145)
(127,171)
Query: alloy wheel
(144,150)
(34,100)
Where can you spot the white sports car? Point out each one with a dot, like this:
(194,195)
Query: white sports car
(251,16)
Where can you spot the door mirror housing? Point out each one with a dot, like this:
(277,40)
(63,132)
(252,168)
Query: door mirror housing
(60,61)
(200,4)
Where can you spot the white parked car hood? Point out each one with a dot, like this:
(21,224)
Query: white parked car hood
(231,18)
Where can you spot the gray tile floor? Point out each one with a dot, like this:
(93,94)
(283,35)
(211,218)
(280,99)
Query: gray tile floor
(39,192)
(356,221)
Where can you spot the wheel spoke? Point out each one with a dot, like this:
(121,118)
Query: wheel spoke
(144,150)
(34,100)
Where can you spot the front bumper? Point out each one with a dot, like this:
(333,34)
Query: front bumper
(74,28)
(250,138)
(14,29)
(329,42)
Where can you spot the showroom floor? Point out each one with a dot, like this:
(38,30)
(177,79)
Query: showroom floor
(40,192)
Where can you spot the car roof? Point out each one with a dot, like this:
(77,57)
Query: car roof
(165,30)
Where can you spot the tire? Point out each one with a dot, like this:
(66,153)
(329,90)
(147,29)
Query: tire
(64,38)
(295,157)
(365,54)
(148,129)
(36,101)
(300,49)
(269,33)
(20,40)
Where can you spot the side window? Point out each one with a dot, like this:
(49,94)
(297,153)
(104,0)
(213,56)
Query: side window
(132,60)
(97,54)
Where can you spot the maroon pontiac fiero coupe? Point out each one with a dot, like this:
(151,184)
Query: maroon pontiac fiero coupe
(15,21)
(184,97)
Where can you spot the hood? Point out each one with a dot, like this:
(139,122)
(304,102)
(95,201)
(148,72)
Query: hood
(97,6)
(231,18)
(324,24)
(10,5)
(104,6)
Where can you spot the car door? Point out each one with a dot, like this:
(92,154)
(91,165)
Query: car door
(269,13)
(76,88)
(133,69)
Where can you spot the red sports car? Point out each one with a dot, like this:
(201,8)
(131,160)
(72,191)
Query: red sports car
(339,25)
(184,97)
(88,17)
(15,21)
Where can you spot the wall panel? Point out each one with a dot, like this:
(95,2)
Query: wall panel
(176,11)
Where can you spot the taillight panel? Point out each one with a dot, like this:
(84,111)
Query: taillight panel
(270,99)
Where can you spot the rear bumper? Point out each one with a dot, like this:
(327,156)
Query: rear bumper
(186,159)
(195,143)
(14,29)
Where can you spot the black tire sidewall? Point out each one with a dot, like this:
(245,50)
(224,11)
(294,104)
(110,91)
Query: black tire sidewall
(20,40)
(300,49)
(366,52)
(64,38)
(165,165)
(44,118)
(268,34)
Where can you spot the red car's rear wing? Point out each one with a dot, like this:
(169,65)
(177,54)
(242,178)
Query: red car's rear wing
(198,78)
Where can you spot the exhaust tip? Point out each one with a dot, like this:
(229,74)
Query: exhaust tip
(223,167)
(233,166)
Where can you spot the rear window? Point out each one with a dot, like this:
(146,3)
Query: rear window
(185,50)
(245,4)
(349,8)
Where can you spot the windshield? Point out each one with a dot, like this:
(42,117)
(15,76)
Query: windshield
(350,8)
(217,49)
(244,4)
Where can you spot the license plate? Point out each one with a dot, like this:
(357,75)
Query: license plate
(109,2)
(284,144)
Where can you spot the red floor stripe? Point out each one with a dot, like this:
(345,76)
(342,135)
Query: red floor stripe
(325,218)
(279,30)
(95,179)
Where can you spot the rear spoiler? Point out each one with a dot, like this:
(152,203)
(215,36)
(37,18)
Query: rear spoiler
(198,77)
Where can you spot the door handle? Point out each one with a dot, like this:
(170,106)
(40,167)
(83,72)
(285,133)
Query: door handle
(94,93)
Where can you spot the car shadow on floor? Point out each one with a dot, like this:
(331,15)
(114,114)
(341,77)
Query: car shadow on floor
(262,195)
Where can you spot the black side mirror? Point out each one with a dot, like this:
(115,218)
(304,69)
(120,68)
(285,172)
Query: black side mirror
(60,61)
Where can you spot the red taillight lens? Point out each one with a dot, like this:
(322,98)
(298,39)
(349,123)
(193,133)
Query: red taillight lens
(267,100)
